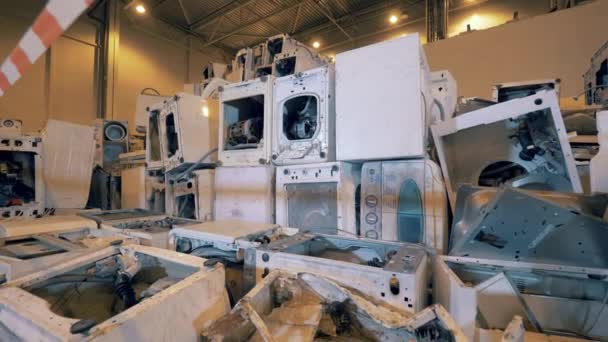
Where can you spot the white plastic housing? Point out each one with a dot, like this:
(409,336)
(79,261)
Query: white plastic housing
(382,112)
(230,112)
(318,197)
(317,86)
(31,146)
(400,199)
(245,193)
(185,132)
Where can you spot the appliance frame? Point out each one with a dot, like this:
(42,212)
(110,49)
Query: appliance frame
(154,110)
(236,91)
(146,237)
(201,185)
(505,111)
(245,193)
(402,282)
(380,184)
(320,83)
(100,137)
(347,177)
(532,85)
(461,298)
(171,307)
(192,129)
(71,241)
(28,144)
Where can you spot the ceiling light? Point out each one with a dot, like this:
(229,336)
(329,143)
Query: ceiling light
(140,9)
(393,19)
(316,44)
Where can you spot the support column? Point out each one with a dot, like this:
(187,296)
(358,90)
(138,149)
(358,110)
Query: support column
(111,59)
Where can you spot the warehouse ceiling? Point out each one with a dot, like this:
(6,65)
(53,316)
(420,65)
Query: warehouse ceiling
(234,24)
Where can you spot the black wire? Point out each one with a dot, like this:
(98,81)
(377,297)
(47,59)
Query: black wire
(143,91)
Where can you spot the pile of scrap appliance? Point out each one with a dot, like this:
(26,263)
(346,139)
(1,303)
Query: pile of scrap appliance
(291,197)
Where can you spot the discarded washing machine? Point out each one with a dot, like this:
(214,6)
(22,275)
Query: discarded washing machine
(213,71)
(404,201)
(304,306)
(154,159)
(304,117)
(388,272)
(128,293)
(152,229)
(546,264)
(185,134)
(241,68)
(143,188)
(112,140)
(596,78)
(192,197)
(521,142)
(383,113)
(48,224)
(445,95)
(245,193)
(21,172)
(502,92)
(321,198)
(295,57)
(25,254)
(245,123)
(226,241)
(68,153)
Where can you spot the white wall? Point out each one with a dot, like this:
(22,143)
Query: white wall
(60,84)
(554,45)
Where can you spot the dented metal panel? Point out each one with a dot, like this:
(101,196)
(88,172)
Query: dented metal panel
(482,293)
(389,272)
(304,307)
(521,142)
(492,231)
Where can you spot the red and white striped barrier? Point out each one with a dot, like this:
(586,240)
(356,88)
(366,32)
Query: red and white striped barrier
(54,19)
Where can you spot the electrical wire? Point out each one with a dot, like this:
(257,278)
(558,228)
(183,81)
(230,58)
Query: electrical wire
(182,175)
(143,91)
